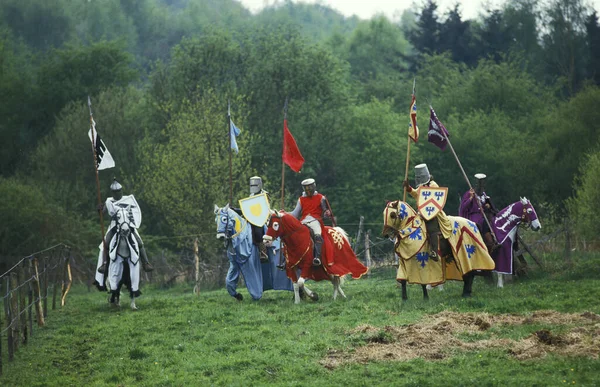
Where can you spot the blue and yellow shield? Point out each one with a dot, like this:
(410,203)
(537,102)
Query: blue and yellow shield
(431,201)
(256,209)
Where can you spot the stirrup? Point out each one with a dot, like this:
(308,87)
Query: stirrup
(434,256)
(316,261)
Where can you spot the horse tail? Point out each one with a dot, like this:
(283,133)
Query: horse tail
(341,231)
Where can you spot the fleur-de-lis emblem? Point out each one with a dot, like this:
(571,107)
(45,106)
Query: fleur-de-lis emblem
(470,249)
(422,258)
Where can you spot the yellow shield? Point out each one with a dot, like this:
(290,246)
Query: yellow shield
(431,201)
(256,209)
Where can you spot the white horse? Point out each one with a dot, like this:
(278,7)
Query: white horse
(124,245)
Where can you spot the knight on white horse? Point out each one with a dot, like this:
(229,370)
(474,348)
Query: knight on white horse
(121,263)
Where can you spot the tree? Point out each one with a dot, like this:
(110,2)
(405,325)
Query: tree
(564,43)
(593,47)
(584,202)
(183,177)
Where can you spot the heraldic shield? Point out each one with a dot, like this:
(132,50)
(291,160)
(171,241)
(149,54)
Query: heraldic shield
(431,201)
(256,209)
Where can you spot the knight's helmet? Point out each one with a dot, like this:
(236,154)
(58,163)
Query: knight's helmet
(480,182)
(117,189)
(422,175)
(309,186)
(256,185)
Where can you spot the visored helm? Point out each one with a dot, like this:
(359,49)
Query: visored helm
(422,175)
(480,182)
(116,189)
(255,185)
(309,186)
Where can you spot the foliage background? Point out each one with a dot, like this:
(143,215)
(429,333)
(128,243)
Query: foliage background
(521,103)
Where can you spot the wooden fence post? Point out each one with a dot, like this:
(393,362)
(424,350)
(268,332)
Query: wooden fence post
(39,312)
(21,293)
(368,251)
(567,242)
(45,285)
(30,274)
(197,262)
(360,230)
(1,287)
(8,314)
(14,313)
(68,281)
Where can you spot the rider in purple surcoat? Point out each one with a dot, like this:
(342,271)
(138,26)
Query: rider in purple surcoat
(470,209)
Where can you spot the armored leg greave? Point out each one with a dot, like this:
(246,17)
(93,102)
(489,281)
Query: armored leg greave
(318,245)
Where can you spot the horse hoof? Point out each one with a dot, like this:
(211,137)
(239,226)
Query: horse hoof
(466,295)
(314,296)
(239,297)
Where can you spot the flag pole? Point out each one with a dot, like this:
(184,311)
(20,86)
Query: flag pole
(469,184)
(285,107)
(408,145)
(230,151)
(95,156)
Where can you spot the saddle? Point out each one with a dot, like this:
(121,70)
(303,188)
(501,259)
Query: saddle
(312,238)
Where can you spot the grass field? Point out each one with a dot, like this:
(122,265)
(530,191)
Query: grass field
(543,330)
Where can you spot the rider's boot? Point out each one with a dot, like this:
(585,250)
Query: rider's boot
(318,245)
(433,232)
(434,245)
(102,268)
(491,245)
(146,265)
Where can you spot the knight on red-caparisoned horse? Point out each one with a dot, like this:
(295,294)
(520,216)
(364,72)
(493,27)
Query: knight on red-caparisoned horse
(319,252)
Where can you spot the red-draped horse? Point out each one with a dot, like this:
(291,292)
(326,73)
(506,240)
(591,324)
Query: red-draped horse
(337,257)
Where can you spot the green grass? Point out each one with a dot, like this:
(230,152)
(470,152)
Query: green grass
(179,339)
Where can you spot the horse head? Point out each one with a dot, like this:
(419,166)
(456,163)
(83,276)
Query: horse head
(124,222)
(529,215)
(274,226)
(228,222)
(396,215)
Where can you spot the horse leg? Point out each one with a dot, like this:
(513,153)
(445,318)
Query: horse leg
(340,291)
(312,295)
(425,295)
(404,293)
(500,280)
(335,281)
(132,304)
(468,284)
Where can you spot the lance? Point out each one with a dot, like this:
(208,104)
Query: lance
(331,211)
(95,156)
(281,264)
(469,184)
(230,151)
(408,146)
(285,108)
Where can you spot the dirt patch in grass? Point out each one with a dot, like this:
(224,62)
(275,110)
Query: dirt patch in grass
(441,335)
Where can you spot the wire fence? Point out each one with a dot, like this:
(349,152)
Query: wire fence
(26,289)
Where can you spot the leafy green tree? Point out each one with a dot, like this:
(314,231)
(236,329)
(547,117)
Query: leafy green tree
(377,53)
(593,47)
(584,202)
(183,177)
(17,90)
(564,43)
(41,24)
(456,36)
(63,162)
(569,132)
(32,222)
